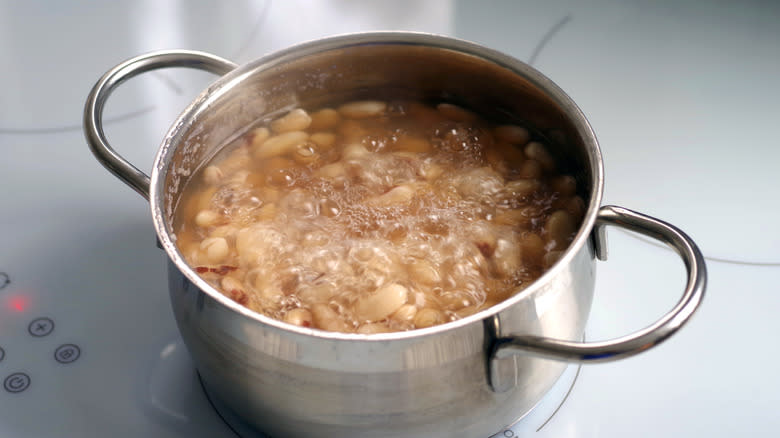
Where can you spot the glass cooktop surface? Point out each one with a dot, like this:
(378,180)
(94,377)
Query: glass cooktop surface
(682,96)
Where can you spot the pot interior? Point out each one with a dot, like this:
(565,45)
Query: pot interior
(392,66)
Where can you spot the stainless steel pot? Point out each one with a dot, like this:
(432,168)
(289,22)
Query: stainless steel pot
(466,378)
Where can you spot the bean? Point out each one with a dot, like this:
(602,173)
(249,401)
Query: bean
(424,114)
(427,317)
(517,217)
(324,119)
(532,248)
(507,258)
(300,317)
(206,218)
(405,313)
(398,195)
(456,113)
(576,207)
(212,175)
(484,237)
(331,171)
(536,151)
(326,318)
(352,131)
(508,154)
(530,169)
(496,160)
(325,140)
(229,283)
(216,249)
(382,303)
(306,153)
(281,144)
(560,229)
(353,151)
(431,171)
(259,136)
(424,272)
(363,109)
(416,145)
(295,120)
(513,134)
(522,187)
(566,185)
(371,328)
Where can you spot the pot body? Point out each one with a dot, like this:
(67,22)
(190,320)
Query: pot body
(439,382)
(288,384)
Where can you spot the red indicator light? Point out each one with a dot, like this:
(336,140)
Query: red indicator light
(19,303)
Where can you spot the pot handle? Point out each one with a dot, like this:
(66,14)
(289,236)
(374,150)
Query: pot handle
(93,110)
(606,351)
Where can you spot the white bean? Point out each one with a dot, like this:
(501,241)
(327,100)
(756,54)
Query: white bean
(427,317)
(538,152)
(353,151)
(371,328)
(326,318)
(280,144)
(566,185)
(456,113)
(512,133)
(416,145)
(229,283)
(331,171)
(212,175)
(363,109)
(295,120)
(325,140)
(324,119)
(530,169)
(306,153)
(560,228)
(423,272)
(507,259)
(259,136)
(430,171)
(397,195)
(300,317)
(522,187)
(216,248)
(382,303)
(206,218)
(405,313)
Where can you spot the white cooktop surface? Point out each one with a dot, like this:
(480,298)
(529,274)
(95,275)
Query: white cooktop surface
(682,95)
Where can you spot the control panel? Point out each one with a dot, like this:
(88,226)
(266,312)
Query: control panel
(28,339)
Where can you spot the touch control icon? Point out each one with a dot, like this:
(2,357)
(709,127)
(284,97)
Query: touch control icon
(41,327)
(5,280)
(2,354)
(67,353)
(16,382)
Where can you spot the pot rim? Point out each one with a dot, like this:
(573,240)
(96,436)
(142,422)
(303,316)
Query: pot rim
(173,138)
